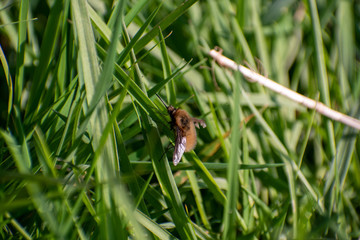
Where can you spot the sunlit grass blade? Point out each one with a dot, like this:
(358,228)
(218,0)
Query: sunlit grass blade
(20,68)
(153,227)
(18,226)
(9,84)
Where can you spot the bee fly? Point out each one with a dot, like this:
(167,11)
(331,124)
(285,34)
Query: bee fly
(184,127)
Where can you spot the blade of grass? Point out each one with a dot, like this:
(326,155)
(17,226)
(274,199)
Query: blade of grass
(219,134)
(260,37)
(153,227)
(161,84)
(322,74)
(20,56)
(163,24)
(170,88)
(49,42)
(232,172)
(9,84)
(198,199)
(137,36)
(18,226)
(213,187)
(135,9)
(147,167)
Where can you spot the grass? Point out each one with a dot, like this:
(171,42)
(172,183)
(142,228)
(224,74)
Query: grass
(84,138)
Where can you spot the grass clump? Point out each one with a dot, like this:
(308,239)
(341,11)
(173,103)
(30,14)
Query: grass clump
(83,136)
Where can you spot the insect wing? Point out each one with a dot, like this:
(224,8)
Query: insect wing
(180,145)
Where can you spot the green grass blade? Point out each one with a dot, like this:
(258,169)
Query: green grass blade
(322,74)
(153,227)
(47,48)
(232,172)
(163,24)
(260,37)
(18,227)
(9,84)
(137,36)
(170,88)
(20,68)
(198,198)
(135,9)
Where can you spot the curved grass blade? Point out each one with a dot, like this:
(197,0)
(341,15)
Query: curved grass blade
(163,24)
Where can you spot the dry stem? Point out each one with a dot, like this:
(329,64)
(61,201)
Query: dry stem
(307,102)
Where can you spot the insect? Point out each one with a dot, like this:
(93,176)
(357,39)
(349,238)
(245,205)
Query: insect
(184,127)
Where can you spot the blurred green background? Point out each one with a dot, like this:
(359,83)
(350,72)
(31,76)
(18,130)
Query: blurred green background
(86,147)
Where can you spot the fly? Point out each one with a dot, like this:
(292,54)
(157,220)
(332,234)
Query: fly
(184,127)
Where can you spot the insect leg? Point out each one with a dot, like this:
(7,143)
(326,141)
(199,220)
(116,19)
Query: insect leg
(199,121)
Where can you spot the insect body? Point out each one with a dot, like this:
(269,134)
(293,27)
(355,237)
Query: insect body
(184,127)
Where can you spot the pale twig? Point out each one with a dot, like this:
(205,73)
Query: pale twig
(307,102)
